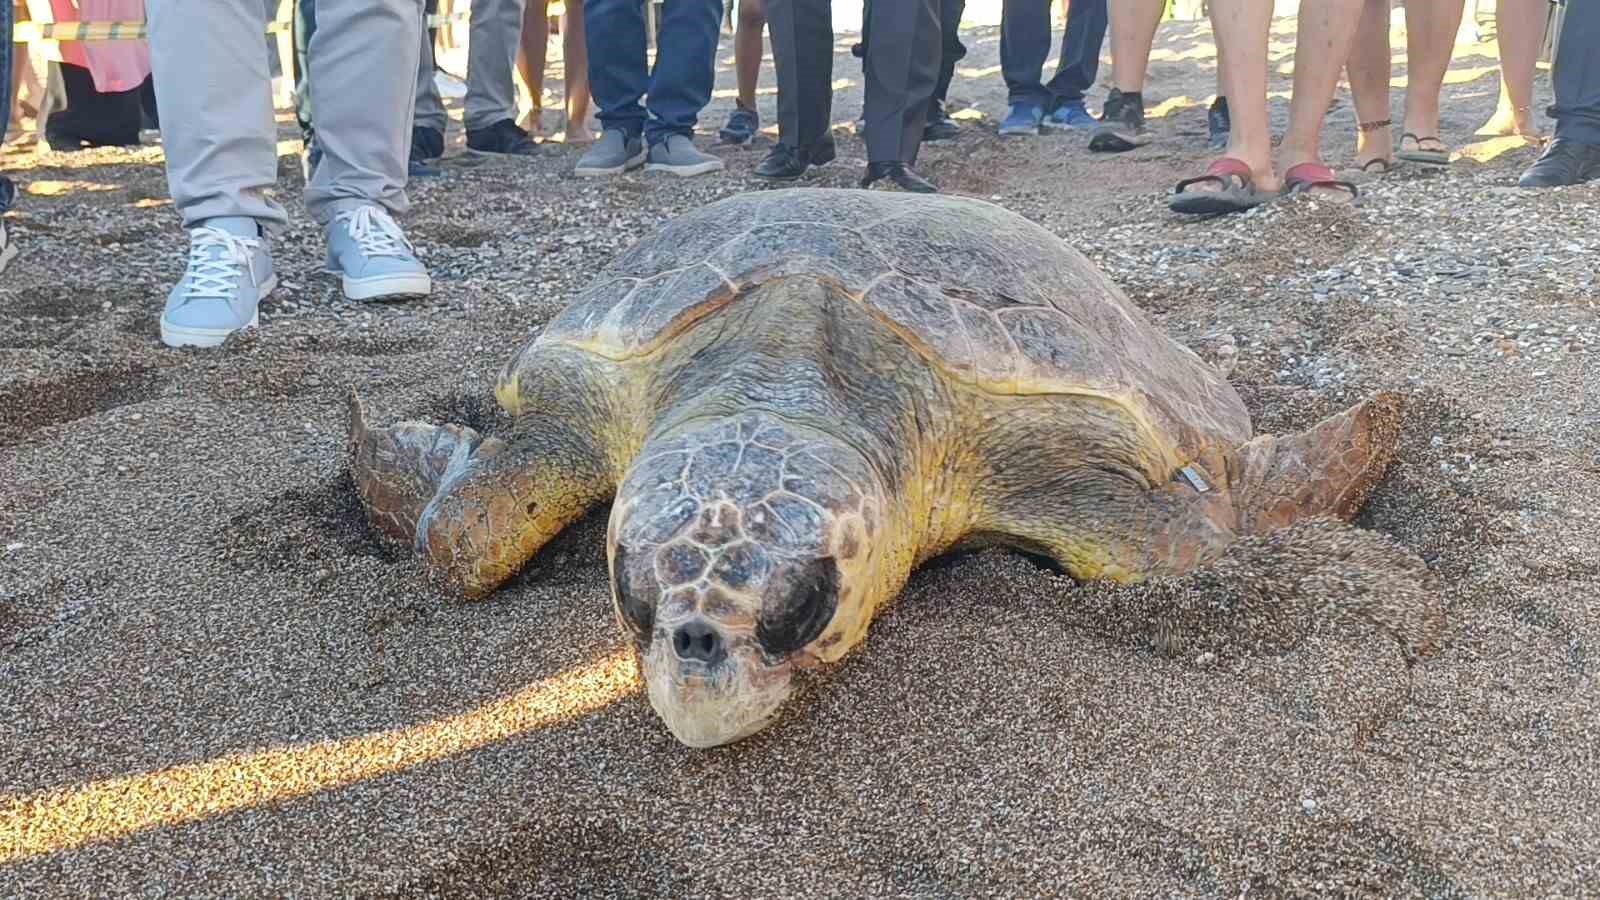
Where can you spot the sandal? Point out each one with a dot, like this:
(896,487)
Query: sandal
(1238,192)
(1440,157)
(1310,176)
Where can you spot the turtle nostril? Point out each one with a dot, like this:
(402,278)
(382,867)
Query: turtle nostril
(698,641)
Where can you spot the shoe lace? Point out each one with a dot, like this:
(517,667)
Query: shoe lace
(375,233)
(216,261)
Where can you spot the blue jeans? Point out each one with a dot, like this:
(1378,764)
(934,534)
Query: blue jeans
(1025,43)
(686,57)
(6,50)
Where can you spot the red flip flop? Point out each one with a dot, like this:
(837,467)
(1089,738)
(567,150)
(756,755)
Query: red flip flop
(1238,192)
(1310,175)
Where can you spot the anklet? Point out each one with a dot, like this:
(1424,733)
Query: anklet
(1374,126)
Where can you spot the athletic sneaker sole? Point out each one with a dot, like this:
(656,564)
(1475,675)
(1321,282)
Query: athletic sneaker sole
(1018,130)
(714,165)
(633,162)
(182,336)
(376,287)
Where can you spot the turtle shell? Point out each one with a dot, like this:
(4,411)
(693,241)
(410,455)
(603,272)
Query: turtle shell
(988,297)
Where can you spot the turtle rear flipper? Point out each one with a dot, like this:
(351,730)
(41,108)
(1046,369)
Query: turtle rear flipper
(1329,470)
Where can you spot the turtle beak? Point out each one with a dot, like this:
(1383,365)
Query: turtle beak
(709,691)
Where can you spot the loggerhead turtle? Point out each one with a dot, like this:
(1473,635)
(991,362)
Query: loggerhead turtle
(794,398)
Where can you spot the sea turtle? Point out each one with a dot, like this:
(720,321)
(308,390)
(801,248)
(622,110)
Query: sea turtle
(794,398)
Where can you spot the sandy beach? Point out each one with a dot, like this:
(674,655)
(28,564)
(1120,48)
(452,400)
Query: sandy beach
(214,681)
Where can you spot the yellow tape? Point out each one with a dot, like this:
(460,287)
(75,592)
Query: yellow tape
(27,32)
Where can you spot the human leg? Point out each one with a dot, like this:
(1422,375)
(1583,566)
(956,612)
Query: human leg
(940,126)
(614,32)
(748,44)
(1243,176)
(1024,45)
(490,114)
(575,74)
(1329,26)
(802,54)
(1573,155)
(365,139)
(215,94)
(1133,26)
(533,46)
(1079,64)
(1431,27)
(1368,69)
(901,71)
(680,86)
(1519,33)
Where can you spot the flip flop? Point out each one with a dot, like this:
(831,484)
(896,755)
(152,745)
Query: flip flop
(1238,192)
(1419,155)
(1309,176)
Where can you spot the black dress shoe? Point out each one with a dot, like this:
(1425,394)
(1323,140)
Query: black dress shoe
(899,173)
(1565,161)
(786,163)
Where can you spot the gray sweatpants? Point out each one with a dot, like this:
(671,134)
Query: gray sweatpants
(493,34)
(215,94)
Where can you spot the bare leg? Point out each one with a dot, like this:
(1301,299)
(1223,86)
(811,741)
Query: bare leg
(1520,32)
(1132,24)
(1327,29)
(748,47)
(1369,71)
(1241,28)
(575,73)
(1431,27)
(531,60)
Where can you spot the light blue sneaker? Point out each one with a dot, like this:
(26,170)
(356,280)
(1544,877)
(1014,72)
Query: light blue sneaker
(1023,119)
(372,255)
(230,271)
(1073,116)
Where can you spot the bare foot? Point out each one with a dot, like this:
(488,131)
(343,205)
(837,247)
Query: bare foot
(578,134)
(1508,122)
(533,123)
(1374,151)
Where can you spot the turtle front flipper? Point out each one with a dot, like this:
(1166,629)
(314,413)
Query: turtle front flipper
(476,508)
(1329,470)
(397,470)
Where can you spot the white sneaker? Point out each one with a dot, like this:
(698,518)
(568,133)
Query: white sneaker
(230,270)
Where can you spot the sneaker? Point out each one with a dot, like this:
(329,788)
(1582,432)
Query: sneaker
(427,144)
(372,255)
(613,154)
(503,138)
(743,123)
(1024,118)
(1218,124)
(1072,116)
(1121,124)
(940,126)
(230,271)
(678,155)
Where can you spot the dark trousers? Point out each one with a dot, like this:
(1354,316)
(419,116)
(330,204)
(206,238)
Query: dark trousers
(951,50)
(685,70)
(1577,74)
(1025,43)
(901,69)
(98,119)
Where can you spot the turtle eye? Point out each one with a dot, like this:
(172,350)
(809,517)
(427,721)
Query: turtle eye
(635,598)
(797,613)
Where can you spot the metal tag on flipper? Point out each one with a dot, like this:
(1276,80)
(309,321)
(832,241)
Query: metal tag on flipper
(1193,475)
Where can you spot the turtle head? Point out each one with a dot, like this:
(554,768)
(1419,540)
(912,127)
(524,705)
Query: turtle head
(738,556)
